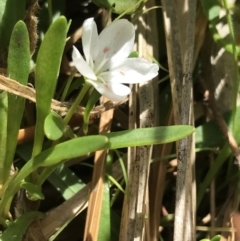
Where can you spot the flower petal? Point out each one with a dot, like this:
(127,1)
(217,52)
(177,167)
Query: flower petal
(90,40)
(81,65)
(115,42)
(132,70)
(114,92)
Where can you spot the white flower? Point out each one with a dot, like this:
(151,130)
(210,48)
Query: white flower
(106,65)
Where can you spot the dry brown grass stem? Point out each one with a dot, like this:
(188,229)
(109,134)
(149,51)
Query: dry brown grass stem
(97,184)
(135,225)
(179,20)
(13,87)
(157,183)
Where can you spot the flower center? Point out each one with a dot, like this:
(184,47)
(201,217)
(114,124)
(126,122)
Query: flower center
(97,69)
(103,81)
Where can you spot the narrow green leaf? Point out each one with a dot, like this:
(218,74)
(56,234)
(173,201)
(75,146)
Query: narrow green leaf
(11,12)
(62,178)
(3,135)
(52,156)
(18,228)
(83,145)
(47,70)
(148,136)
(33,191)
(66,181)
(115,182)
(115,224)
(18,69)
(53,126)
(66,150)
(104,233)
(2,8)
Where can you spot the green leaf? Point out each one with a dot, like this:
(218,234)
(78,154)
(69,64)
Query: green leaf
(53,126)
(104,233)
(47,70)
(211,9)
(115,224)
(3,135)
(148,136)
(18,69)
(120,6)
(133,54)
(33,191)
(2,8)
(83,145)
(52,156)
(210,135)
(18,228)
(65,181)
(216,238)
(11,11)
(105,219)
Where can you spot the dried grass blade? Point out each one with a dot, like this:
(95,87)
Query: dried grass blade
(136,226)
(180,47)
(97,189)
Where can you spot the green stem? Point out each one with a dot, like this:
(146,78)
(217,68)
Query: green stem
(69,81)
(77,102)
(13,187)
(45,174)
